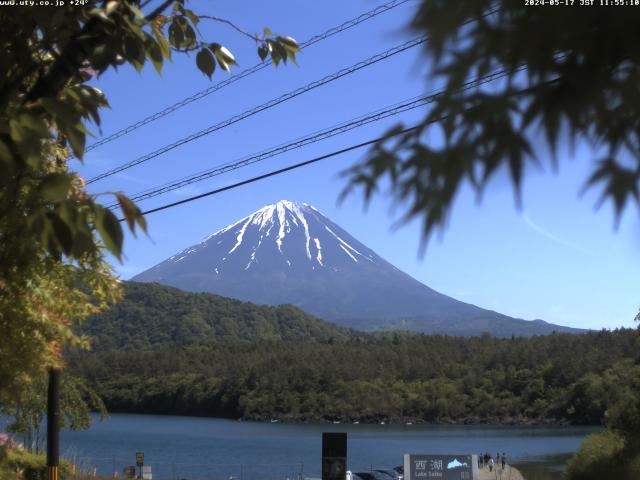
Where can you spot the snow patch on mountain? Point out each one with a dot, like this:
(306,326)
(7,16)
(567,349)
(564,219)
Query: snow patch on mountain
(319,249)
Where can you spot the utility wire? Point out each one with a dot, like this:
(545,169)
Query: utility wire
(341,128)
(276,172)
(245,73)
(271,103)
(335,76)
(282,148)
(314,160)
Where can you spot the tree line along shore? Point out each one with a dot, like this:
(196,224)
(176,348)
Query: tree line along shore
(562,378)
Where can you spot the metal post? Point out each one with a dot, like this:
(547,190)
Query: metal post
(53,424)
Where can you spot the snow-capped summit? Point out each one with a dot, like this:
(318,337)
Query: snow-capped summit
(290,227)
(289,252)
(285,236)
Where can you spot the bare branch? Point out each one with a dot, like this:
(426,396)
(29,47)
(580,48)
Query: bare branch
(232,25)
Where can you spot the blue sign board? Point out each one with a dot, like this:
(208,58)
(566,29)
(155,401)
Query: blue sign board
(440,467)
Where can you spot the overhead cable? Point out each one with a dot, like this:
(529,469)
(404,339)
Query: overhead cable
(271,103)
(244,73)
(309,162)
(274,172)
(341,128)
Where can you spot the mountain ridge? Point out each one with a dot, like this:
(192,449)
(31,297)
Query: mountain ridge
(290,253)
(151,315)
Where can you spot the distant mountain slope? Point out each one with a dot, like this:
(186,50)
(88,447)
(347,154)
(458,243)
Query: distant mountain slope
(289,253)
(151,315)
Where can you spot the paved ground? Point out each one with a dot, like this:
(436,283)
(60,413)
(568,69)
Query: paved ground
(509,473)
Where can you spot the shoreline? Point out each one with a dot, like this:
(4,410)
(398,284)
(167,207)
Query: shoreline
(285,419)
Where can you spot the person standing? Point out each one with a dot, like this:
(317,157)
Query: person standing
(504,460)
(490,464)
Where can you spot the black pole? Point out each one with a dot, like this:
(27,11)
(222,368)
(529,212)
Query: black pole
(53,424)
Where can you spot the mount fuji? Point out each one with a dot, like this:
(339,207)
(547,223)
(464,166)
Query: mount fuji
(290,253)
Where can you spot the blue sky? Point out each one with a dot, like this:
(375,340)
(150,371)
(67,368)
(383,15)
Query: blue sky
(556,258)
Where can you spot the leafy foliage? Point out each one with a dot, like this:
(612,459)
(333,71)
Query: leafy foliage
(152,315)
(606,455)
(20,464)
(574,74)
(52,232)
(45,100)
(554,378)
(28,413)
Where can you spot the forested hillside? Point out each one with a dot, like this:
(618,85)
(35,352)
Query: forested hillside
(555,378)
(152,315)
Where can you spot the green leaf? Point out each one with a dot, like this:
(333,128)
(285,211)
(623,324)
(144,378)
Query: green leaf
(64,113)
(154,53)
(28,130)
(267,31)
(263,51)
(190,37)
(77,139)
(62,232)
(110,231)
(289,43)
(83,243)
(176,35)
(163,43)
(133,27)
(224,56)
(69,212)
(278,52)
(54,187)
(132,213)
(34,122)
(206,62)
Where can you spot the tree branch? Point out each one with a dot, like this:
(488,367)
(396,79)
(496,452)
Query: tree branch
(158,10)
(232,25)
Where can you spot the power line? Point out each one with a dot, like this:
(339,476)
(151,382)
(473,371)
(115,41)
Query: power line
(316,159)
(271,103)
(283,148)
(341,128)
(337,75)
(245,73)
(276,172)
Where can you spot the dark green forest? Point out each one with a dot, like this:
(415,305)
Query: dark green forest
(152,315)
(581,379)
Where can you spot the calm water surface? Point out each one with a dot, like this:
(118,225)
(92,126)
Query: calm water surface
(206,448)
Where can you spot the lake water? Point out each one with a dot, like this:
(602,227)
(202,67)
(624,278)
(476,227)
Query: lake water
(207,448)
